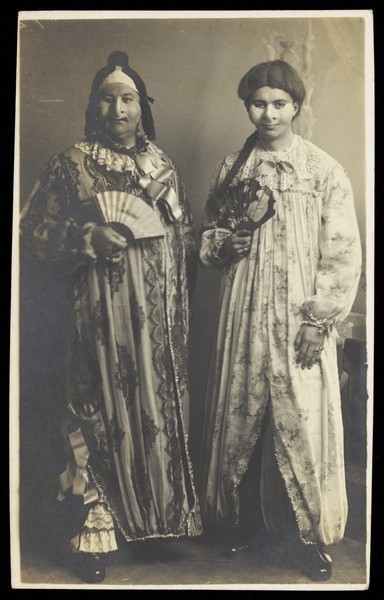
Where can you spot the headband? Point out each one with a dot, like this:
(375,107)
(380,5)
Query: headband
(118,76)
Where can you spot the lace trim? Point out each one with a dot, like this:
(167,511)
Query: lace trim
(113,160)
(192,527)
(212,241)
(279,170)
(218,241)
(97,541)
(98,533)
(322,324)
(87,246)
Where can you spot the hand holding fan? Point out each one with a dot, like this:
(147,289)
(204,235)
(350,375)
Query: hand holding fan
(129,215)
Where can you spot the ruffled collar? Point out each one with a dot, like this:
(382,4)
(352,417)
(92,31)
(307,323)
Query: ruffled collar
(113,160)
(148,166)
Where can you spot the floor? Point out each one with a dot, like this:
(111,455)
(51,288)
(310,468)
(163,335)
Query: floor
(198,564)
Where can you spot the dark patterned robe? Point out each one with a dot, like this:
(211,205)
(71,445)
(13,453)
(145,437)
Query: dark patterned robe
(126,345)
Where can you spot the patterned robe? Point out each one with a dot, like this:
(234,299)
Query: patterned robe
(304,263)
(126,345)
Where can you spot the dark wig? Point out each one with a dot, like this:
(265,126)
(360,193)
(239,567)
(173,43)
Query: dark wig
(120,59)
(274,74)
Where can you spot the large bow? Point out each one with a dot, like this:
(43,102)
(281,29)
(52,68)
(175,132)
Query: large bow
(76,475)
(156,181)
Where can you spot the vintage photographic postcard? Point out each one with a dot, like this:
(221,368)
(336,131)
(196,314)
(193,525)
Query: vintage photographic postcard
(173,383)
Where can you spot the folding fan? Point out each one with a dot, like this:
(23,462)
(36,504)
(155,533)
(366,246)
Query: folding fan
(246,206)
(129,215)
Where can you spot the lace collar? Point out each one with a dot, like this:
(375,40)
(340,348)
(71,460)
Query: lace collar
(113,160)
(282,169)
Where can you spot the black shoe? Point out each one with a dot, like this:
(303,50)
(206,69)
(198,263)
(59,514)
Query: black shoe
(89,567)
(313,561)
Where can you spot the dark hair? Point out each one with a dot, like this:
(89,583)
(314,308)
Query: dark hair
(120,59)
(274,74)
(242,157)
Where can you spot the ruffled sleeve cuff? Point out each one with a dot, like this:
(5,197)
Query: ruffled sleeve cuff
(323,325)
(211,244)
(86,247)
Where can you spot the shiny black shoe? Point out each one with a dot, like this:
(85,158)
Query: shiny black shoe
(89,567)
(313,561)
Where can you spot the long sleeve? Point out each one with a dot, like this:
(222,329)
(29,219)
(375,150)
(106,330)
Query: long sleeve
(340,253)
(212,237)
(47,224)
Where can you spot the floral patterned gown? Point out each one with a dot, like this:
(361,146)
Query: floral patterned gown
(126,336)
(304,263)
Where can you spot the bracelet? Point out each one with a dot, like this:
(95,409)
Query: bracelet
(321,324)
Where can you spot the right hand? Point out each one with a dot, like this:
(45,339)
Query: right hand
(107,243)
(238,244)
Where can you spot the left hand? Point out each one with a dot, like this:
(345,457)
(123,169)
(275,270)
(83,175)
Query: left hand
(108,243)
(308,344)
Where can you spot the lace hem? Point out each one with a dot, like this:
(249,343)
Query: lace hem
(97,541)
(98,533)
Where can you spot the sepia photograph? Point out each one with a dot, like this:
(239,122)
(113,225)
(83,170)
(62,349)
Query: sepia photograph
(191,398)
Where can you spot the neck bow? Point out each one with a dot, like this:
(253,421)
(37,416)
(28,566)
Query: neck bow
(156,181)
(278,168)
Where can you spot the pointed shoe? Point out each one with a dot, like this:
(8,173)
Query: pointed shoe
(313,561)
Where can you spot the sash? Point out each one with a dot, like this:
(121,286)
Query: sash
(76,475)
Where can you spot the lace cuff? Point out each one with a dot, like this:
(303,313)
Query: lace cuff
(86,246)
(211,243)
(323,325)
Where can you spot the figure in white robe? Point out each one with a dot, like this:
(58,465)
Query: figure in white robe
(295,275)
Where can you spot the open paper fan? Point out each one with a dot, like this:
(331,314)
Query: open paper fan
(129,215)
